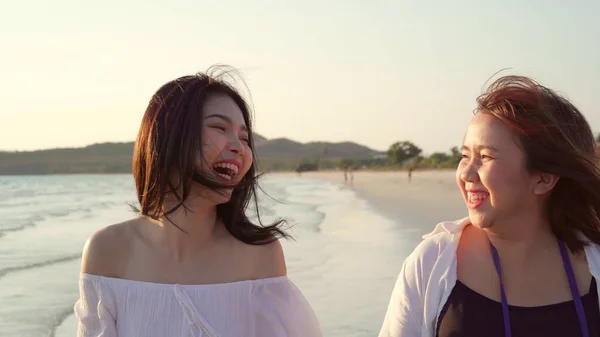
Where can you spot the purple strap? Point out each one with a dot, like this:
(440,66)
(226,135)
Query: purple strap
(572,285)
(574,289)
(507,331)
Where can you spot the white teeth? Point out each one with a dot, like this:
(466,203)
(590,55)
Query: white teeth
(477,197)
(225,176)
(233,170)
(232,167)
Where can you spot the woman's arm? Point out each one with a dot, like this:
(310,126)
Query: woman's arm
(404,316)
(96,309)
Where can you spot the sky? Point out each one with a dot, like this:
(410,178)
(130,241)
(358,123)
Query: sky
(74,73)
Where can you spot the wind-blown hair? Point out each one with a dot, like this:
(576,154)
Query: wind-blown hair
(166,155)
(558,140)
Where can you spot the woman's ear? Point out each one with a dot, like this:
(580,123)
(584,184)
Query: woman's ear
(544,183)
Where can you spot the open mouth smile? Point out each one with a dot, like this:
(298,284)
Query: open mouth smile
(476,198)
(227,170)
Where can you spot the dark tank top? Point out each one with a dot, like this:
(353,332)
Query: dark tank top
(467,313)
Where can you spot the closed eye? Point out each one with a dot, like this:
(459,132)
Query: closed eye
(218,127)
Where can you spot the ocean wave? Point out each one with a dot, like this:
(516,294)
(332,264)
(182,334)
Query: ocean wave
(28,222)
(39,216)
(66,258)
(284,199)
(303,215)
(59,318)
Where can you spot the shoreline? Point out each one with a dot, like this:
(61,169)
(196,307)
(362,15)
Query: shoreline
(431,197)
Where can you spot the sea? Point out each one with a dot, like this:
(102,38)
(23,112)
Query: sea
(345,255)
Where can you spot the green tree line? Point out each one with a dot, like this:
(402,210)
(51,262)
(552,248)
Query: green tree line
(400,155)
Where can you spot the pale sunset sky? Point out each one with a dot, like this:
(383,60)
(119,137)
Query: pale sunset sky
(73,73)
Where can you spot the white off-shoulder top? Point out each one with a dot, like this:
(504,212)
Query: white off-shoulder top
(271,307)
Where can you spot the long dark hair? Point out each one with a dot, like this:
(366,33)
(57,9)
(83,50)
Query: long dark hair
(167,146)
(556,139)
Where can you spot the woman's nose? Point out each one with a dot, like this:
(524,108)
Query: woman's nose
(235,145)
(469,173)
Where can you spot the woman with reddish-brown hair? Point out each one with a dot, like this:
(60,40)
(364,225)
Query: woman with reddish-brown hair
(526,260)
(192,263)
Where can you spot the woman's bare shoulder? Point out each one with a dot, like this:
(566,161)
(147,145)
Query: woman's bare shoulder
(267,259)
(105,252)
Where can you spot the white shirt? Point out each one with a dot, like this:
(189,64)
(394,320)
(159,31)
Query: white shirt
(426,280)
(271,307)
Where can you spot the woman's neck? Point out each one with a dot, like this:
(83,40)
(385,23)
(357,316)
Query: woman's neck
(522,241)
(188,230)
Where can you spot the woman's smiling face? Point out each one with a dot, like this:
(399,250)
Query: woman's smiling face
(226,153)
(492,174)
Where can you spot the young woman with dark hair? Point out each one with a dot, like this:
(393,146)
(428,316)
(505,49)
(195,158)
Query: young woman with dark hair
(192,263)
(526,260)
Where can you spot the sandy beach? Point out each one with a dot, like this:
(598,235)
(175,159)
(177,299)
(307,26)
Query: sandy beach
(431,196)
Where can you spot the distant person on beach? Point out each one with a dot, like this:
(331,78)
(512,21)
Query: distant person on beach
(526,260)
(410,170)
(192,263)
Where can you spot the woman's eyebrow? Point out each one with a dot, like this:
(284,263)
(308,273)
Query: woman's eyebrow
(481,147)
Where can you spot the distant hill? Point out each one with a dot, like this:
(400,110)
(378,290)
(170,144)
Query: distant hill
(280,153)
(285,148)
(258,139)
(97,158)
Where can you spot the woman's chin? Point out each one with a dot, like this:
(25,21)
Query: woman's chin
(479,220)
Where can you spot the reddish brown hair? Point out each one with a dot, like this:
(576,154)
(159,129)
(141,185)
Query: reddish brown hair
(558,140)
